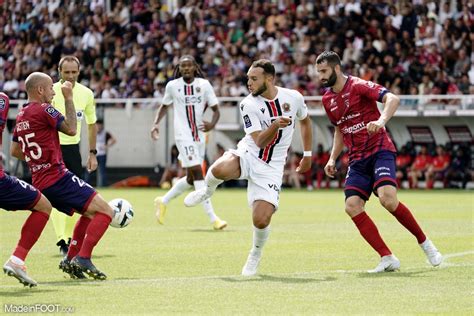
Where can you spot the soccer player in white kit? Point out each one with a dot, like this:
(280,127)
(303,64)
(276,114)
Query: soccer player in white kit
(269,114)
(189,93)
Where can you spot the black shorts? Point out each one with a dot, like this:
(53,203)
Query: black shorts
(72,159)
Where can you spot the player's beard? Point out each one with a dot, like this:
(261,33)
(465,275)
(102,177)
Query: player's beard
(331,80)
(260,90)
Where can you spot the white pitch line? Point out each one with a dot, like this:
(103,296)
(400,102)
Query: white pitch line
(458,254)
(445,264)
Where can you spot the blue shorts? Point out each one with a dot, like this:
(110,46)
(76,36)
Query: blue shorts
(367,175)
(16,194)
(70,194)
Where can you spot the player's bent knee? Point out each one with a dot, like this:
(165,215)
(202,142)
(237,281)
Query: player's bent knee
(98,204)
(389,202)
(354,206)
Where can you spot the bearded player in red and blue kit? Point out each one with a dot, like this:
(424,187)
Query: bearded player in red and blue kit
(350,104)
(16,194)
(36,140)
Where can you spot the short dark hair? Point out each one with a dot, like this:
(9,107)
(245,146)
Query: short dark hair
(332,58)
(266,65)
(69,58)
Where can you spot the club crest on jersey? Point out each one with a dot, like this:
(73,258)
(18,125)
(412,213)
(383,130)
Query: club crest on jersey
(198,89)
(190,157)
(2,104)
(286,107)
(52,111)
(247,121)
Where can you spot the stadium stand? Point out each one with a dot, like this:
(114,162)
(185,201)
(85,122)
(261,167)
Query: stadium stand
(128,48)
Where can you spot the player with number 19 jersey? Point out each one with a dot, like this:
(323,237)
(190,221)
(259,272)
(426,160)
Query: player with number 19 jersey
(36,131)
(257,115)
(189,101)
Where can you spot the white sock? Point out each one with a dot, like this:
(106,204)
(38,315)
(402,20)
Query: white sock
(17,260)
(199,184)
(178,188)
(212,182)
(260,237)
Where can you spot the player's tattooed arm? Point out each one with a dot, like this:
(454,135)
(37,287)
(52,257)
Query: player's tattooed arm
(69,125)
(15,151)
(265,137)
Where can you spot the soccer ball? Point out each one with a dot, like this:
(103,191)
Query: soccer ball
(123,213)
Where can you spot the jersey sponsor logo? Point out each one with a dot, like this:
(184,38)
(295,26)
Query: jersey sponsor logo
(192,100)
(2,104)
(354,128)
(274,187)
(52,111)
(247,121)
(348,117)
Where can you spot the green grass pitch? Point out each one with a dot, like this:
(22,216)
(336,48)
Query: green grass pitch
(313,263)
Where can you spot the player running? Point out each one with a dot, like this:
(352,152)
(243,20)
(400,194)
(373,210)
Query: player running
(189,94)
(269,114)
(350,104)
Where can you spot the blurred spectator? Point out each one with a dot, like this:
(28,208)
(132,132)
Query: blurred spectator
(403,163)
(291,178)
(320,158)
(394,43)
(438,167)
(342,165)
(105,140)
(458,170)
(173,170)
(420,165)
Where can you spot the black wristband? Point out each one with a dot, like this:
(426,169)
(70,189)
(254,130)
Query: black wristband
(93,151)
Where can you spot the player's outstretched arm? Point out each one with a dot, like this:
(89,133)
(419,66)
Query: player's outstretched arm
(16,152)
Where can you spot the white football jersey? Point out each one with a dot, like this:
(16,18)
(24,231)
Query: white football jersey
(189,101)
(257,115)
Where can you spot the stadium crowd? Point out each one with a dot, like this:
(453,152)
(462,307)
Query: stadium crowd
(130,48)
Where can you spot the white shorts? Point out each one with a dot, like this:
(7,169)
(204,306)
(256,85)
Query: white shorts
(191,153)
(264,182)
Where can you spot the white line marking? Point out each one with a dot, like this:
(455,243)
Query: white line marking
(113,282)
